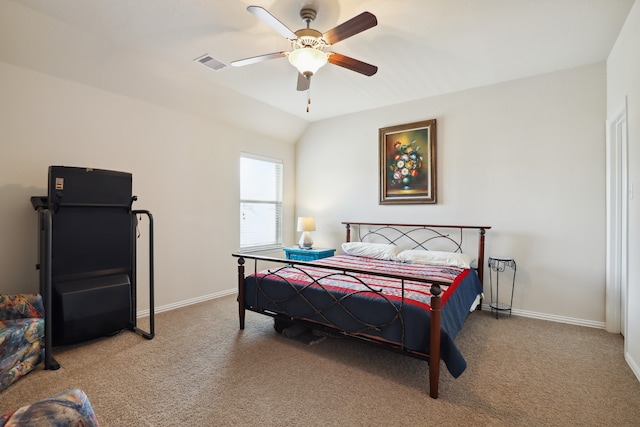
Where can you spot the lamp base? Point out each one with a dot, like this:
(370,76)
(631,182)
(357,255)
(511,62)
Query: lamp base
(305,241)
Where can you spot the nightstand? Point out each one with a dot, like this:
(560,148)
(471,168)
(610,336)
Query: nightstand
(498,265)
(308,254)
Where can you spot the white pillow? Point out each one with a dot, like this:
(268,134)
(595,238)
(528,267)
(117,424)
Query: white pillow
(372,250)
(449,259)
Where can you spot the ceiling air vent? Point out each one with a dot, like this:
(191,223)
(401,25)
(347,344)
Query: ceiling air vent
(211,62)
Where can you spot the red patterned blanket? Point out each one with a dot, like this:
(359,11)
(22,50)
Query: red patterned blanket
(415,293)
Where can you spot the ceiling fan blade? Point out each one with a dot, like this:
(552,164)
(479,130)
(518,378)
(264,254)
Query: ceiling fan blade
(353,26)
(255,59)
(351,64)
(303,83)
(263,15)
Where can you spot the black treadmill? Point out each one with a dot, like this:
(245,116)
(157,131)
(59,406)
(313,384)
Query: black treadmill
(87,256)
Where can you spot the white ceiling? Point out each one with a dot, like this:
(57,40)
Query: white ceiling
(146,48)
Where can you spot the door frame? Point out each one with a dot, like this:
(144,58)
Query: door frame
(617,221)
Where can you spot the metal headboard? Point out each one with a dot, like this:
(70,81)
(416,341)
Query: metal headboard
(419,236)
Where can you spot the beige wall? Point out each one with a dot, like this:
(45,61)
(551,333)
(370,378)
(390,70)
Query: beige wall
(623,71)
(525,157)
(185,171)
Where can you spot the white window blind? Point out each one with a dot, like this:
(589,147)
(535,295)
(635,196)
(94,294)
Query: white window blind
(260,203)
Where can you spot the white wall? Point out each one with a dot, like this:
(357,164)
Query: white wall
(185,171)
(623,69)
(525,157)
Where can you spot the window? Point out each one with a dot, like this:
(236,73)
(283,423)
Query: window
(260,203)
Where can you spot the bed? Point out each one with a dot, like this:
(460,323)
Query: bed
(405,287)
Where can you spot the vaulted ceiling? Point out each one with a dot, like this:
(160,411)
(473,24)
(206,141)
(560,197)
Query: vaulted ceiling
(146,49)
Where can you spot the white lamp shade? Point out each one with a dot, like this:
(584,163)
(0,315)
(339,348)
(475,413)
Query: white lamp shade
(306,223)
(307,60)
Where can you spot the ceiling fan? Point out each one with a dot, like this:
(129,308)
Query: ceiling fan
(307,52)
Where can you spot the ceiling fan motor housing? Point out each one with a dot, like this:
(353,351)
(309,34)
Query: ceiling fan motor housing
(308,37)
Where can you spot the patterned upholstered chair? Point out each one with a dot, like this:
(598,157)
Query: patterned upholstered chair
(70,408)
(21,336)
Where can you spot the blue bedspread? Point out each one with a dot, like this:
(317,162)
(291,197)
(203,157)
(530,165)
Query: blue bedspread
(372,306)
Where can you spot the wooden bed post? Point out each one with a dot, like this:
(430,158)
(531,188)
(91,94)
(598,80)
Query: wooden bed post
(482,232)
(434,340)
(241,290)
(348,233)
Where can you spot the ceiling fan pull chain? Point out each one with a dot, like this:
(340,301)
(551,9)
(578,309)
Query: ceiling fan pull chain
(308,98)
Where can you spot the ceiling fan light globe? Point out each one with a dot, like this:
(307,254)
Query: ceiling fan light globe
(307,60)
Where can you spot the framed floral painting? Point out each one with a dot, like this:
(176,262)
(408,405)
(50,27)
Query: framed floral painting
(408,163)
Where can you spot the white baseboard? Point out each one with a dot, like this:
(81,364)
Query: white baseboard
(515,312)
(632,364)
(185,303)
(553,318)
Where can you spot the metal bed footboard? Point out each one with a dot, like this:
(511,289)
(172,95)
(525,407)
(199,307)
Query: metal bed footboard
(341,302)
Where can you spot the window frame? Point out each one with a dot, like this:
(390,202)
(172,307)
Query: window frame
(278,204)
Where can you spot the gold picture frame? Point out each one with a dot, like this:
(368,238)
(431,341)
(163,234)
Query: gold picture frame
(408,163)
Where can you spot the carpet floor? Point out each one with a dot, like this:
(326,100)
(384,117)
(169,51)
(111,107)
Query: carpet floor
(201,370)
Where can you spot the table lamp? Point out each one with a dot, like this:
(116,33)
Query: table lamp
(306,224)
